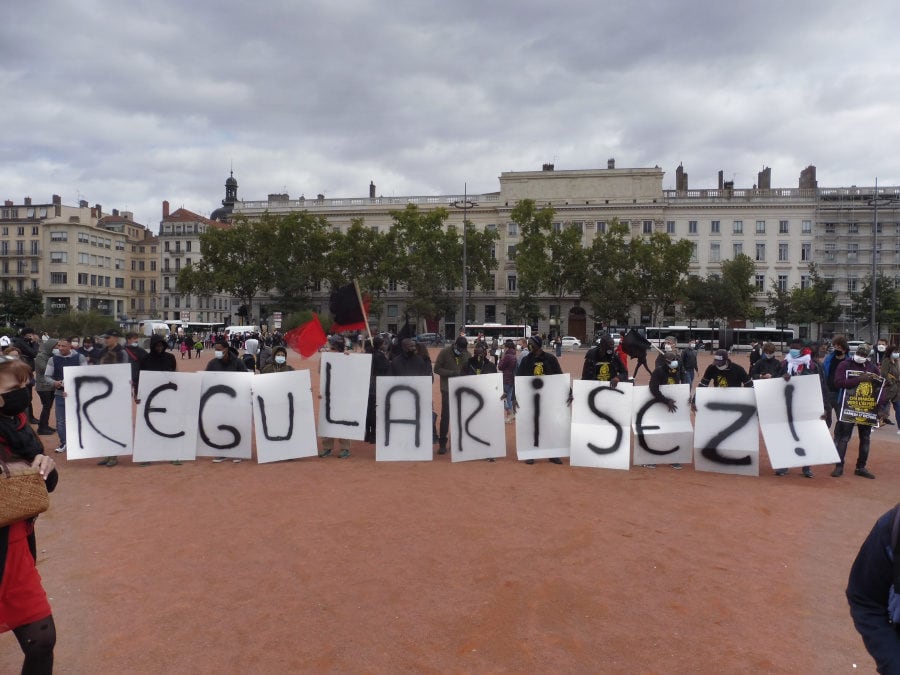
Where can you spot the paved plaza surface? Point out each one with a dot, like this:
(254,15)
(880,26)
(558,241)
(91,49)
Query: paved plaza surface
(329,565)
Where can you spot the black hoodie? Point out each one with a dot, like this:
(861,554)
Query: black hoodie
(158,360)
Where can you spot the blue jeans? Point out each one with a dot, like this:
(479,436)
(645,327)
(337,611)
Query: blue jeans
(61,419)
(510,391)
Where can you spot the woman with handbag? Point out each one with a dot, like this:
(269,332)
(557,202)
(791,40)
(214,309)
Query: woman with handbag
(24,608)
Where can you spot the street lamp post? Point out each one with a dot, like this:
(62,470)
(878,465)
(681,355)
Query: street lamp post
(465,204)
(873,293)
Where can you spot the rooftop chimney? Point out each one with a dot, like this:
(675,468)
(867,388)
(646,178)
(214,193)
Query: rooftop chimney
(115,212)
(721,178)
(8,202)
(82,203)
(546,167)
(611,163)
(165,209)
(27,201)
(808,178)
(57,200)
(764,179)
(372,189)
(681,179)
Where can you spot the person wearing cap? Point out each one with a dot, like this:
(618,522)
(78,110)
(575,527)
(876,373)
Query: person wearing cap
(850,374)
(112,351)
(449,363)
(279,363)
(336,344)
(538,363)
(723,372)
(799,361)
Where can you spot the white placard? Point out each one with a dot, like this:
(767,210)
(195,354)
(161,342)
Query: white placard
(477,429)
(284,417)
(403,428)
(661,436)
(726,431)
(790,417)
(225,421)
(544,417)
(344,395)
(601,425)
(166,425)
(98,411)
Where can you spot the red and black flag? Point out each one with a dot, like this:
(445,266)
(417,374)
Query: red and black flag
(306,339)
(348,312)
(635,345)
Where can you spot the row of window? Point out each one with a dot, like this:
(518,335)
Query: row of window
(737,248)
(35,248)
(183,228)
(12,212)
(187,246)
(21,266)
(20,230)
(85,279)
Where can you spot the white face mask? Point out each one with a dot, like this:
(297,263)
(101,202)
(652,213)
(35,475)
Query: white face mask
(859,359)
(692,345)
(668,348)
(280,359)
(673,364)
(881,348)
(219,354)
(895,355)
(722,367)
(75,345)
(133,344)
(55,352)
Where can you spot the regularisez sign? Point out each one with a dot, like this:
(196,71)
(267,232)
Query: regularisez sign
(182,416)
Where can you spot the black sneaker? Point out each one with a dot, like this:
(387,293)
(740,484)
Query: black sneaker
(325,453)
(864,472)
(807,472)
(442,450)
(555,460)
(781,472)
(529,461)
(46,431)
(838,472)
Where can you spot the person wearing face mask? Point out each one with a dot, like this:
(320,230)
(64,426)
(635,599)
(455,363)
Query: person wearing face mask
(669,352)
(448,364)
(28,343)
(279,363)
(723,372)
(381,366)
(689,362)
(24,608)
(66,358)
(890,371)
(538,363)
(225,360)
(337,345)
(800,361)
(158,358)
(766,366)
(478,363)
(838,354)
(87,349)
(44,386)
(880,352)
(603,365)
(669,371)
(860,363)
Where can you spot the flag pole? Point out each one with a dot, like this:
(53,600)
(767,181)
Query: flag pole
(363,308)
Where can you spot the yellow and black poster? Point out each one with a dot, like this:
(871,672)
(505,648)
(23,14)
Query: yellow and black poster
(859,403)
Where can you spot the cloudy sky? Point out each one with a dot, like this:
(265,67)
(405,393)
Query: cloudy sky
(129,103)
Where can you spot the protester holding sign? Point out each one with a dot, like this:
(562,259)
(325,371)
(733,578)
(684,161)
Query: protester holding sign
(860,391)
(336,344)
(478,364)
(448,364)
(24,608)
(537,363)
(668,372)
(800,361)
(603,365)
(890,371)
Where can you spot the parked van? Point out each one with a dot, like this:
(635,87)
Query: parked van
(148,328)
(240,330)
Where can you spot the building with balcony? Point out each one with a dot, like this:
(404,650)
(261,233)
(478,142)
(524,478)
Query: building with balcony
(782,229)
(179,242)
(140,264)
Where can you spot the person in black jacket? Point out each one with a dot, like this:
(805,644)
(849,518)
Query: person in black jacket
(381,366)
(27,343)
(408,361)
(158,358)
(601,363)
(225,359)
(766,366)
(478,364)
(537,363)
(874,594)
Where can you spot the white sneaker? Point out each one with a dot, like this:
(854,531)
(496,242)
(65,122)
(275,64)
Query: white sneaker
(62,448)
(237,460)
(218,460)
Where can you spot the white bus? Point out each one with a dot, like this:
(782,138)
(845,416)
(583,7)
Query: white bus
(738,339)
(502,331)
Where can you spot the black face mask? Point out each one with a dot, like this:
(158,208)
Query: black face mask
(838,353)
(15,401)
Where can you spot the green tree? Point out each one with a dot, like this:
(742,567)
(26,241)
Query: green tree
(816,304)
(423,254)
(16,308)
(699,296)
(780,307)
(735,298)
(660,268)
(298,253)
(887,308)
(364,254)
(235,260)
(75,323)
(609,285)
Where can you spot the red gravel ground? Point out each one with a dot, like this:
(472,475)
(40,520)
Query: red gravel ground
(328,565)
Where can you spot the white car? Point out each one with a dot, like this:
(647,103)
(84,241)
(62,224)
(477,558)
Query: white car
(569,342)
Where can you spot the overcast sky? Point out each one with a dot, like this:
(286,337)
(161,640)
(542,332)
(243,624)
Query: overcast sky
(128,103)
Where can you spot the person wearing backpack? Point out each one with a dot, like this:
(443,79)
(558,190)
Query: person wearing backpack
(872,591)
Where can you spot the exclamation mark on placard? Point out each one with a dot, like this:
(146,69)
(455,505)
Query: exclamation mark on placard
(789,402)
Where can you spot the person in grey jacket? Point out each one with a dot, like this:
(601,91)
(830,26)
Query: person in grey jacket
(44,386)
